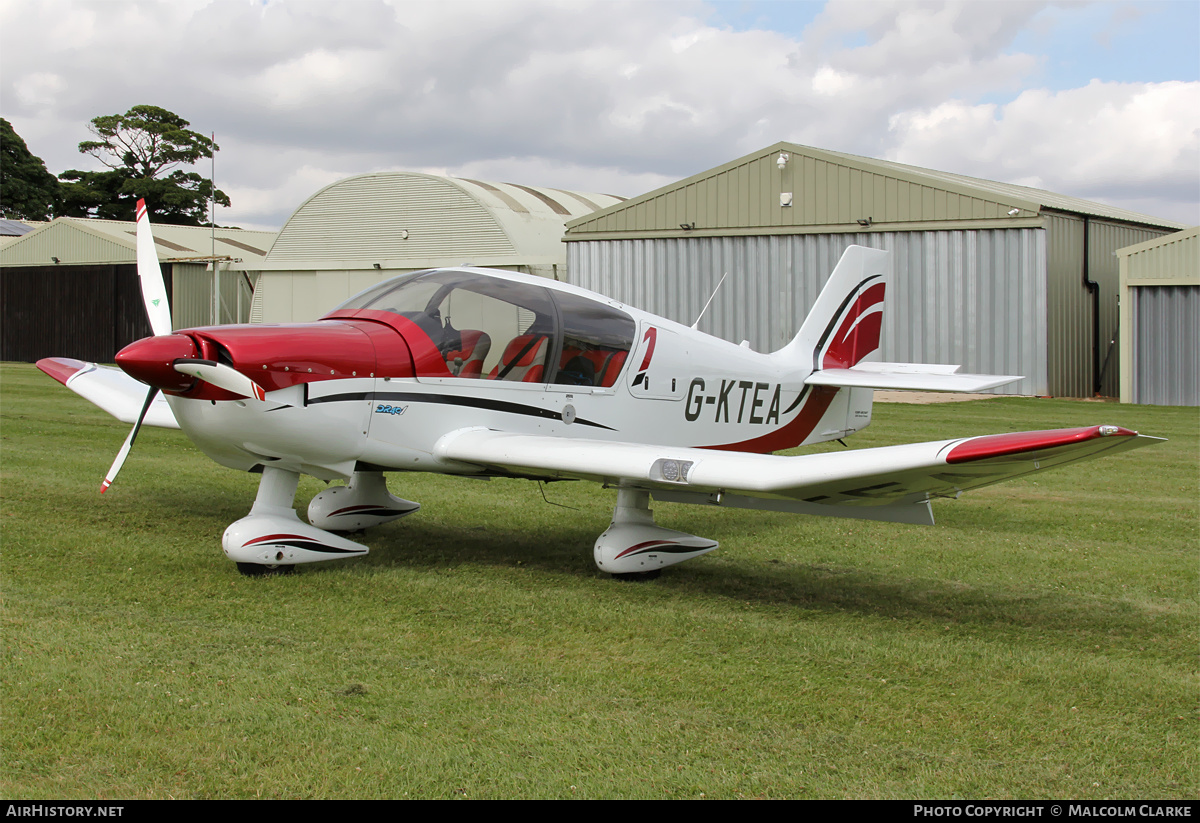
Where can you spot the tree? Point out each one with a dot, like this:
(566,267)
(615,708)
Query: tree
(143,149)
(27,190)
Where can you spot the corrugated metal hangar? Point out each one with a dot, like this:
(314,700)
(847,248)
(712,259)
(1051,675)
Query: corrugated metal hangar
(70,287)
(1160,320)
(1000,278)
(360,230)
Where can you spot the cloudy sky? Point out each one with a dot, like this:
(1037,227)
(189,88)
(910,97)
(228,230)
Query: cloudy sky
(1097,100)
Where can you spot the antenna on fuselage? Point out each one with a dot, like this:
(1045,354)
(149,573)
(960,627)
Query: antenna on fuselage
(710,299)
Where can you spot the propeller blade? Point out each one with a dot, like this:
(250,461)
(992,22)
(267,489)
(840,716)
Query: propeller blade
(221,376)
(154,291)
(124,452)
(158,312)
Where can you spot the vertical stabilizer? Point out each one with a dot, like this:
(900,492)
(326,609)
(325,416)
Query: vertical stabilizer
(842,329)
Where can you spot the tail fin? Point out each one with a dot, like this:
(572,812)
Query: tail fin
(845,323)
(842,332)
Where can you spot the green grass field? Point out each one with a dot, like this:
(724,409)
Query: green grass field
(1039,642)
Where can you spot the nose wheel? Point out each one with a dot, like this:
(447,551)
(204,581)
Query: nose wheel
(263,570)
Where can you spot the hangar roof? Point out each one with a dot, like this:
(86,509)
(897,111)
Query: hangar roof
(819,191)
(407,219)
(77,240)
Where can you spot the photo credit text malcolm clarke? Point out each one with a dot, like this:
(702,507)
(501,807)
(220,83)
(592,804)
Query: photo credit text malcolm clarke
(1052,810)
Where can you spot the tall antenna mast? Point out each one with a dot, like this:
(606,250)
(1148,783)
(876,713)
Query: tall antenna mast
(212,222)
(710,299)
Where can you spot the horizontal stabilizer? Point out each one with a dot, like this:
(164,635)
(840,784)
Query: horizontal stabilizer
(111,389)
(908,376)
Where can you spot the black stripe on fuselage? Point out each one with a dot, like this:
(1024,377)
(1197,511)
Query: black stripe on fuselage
(454,400)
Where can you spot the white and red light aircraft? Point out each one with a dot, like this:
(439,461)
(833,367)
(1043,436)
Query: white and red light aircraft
(487,373)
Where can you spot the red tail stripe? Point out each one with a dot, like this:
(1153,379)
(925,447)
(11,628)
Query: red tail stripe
(854,342)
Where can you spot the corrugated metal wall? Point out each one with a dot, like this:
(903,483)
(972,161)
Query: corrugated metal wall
(1069,347)
(192,303)
(976,298)
(1166,343)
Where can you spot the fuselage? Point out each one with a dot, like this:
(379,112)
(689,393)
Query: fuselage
(379,380)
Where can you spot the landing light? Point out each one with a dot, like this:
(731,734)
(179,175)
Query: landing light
(671,471)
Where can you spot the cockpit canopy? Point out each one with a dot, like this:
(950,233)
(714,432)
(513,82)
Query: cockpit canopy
(493,328)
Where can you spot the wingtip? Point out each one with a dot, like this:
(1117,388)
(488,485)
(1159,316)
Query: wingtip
(1001,445)
(61,369)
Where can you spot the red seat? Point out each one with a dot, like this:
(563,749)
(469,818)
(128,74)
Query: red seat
(608,366)
(523,359)
(468,361)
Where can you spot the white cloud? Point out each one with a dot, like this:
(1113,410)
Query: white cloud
(39,90)
(1108,141)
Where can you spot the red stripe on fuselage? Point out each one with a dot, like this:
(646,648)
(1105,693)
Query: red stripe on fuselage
(792,433)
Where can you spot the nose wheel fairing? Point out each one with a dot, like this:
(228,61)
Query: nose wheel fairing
(273,535)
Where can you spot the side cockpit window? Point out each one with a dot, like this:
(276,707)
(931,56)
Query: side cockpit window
(596,341)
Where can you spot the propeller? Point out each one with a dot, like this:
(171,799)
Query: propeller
(158,312)
(221,376)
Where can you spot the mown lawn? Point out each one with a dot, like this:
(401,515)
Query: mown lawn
(1039,641)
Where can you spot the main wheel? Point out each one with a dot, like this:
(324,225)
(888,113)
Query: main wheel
(262,570)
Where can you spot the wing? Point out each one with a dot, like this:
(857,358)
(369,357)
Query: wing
(892,483)
(110,389)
